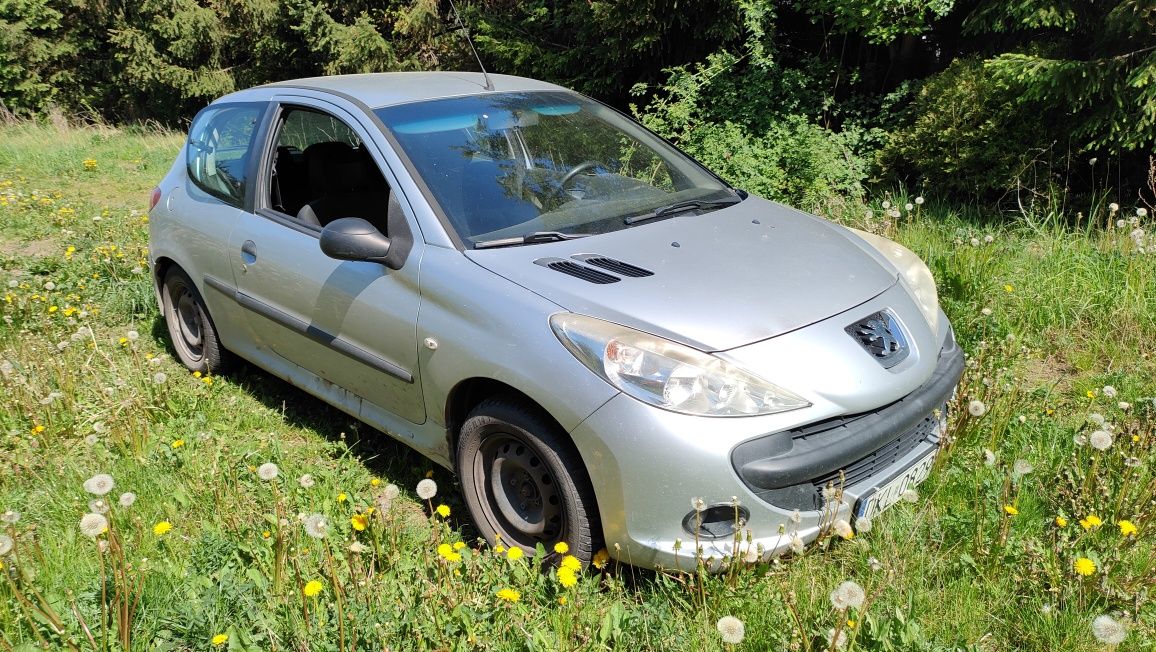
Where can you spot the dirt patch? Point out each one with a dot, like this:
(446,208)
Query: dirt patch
(35,248)
(1052,372)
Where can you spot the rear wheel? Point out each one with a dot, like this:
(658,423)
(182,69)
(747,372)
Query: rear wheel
(523,481)
(190,327)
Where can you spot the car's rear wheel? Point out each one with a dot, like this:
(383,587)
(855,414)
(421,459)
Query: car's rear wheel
(523,481)
(190,327)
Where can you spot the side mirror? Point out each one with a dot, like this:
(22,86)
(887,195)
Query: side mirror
(352,238)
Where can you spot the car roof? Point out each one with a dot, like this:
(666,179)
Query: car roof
(388,88)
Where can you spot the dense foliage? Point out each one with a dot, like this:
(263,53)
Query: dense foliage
(808,102)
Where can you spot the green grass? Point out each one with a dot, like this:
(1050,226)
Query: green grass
(950,571)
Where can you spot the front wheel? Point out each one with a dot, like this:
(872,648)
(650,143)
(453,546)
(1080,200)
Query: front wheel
(523,482)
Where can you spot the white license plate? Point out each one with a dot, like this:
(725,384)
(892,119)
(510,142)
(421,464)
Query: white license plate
(890,493)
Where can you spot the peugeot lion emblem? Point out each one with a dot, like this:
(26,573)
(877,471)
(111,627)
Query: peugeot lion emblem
(882,337)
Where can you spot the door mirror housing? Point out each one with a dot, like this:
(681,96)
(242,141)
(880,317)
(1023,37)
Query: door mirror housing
(352,238)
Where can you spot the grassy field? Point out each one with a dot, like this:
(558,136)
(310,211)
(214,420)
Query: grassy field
(1040,517)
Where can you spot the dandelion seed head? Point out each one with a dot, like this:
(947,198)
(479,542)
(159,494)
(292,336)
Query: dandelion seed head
(316,526)
(1113,207)
(1124,406)
(886,204)
(863,525)
(919,201)
(836,639)
(306,481)
(731,629)
(357,547)
(1108,630)
(267,471)
(98,506)
(427,489)
(10,517)
(132,336)
(797,545)
(988,457)
(127,499)
(160,378)
(1096,418)
(1121,224)
(1109,391)
(6,544)
(92,525)
(1101,440)
(1132,462)
(989,238)
(697,504)
(391,491)
(974,242)
(1022,467)
(976,408)
(986,312)
(909,496)
(1080,439)
(848,595)
(1141,212)
(796,517)
(909,207)
(874,564)
(99,484)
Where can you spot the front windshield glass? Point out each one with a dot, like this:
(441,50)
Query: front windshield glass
(506,165)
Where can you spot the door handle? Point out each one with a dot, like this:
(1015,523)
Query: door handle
(249,252)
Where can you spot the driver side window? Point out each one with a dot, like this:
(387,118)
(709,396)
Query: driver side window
(322,171)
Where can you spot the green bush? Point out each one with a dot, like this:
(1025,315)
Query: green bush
(968,135)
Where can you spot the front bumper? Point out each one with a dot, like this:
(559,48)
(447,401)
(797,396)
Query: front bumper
(648,471)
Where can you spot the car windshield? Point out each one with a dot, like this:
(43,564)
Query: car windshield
(503,166)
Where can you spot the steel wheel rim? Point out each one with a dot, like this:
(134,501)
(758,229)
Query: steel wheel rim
(189,322)
(519,490)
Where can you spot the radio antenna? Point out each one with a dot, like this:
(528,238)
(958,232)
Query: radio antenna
(489,85)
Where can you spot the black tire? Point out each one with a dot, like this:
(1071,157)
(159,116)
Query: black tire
(523,482)
(192,331)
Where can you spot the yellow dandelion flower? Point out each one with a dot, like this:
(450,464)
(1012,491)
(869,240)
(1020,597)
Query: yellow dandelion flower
(37,429)
(52,309)
(312,588)
(196,374)
(567,577)
(1011,510)
(1127,528)
(499,549)
(177,443)
(266,534)
(1009,288)
(601,558)
(374,482)
(514,554)
(561,548)
(1061,521)
(1090,394)
(220,639)
(162,528)
(123,341)
(1135,439)
(509,595)
(446,552)
(443,511)
(89,164)
(571,562)
(850,623)
(359,522)
(562,601)
(1084,566)
(341,497)
(458,545)
(1090,522)
(208,380)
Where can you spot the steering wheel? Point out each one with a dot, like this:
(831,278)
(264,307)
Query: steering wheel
(576,170)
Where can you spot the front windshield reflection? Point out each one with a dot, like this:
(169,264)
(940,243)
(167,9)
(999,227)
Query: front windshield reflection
(506,165)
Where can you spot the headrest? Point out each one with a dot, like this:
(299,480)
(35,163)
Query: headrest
(334,168)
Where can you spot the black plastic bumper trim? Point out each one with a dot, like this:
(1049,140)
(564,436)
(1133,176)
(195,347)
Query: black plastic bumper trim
(791,457)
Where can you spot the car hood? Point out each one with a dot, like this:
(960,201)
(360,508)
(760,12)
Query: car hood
(716,281)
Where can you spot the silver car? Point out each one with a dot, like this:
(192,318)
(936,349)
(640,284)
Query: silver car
(608,344)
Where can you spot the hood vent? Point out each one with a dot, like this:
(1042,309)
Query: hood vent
(616,266)
(578,271)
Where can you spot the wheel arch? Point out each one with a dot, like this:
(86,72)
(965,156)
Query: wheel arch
(471,392)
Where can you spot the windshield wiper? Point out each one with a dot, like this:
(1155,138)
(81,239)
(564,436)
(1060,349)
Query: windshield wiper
(682,207)
(529,238)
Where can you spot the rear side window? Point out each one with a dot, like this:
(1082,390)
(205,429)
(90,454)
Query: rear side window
(220,144)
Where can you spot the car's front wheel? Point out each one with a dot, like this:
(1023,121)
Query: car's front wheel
(523,481)
(190,327)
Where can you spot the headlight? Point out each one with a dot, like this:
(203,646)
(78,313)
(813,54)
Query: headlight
(916,276)
(669,375)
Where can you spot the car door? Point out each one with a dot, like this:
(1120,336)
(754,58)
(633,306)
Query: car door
(353,324)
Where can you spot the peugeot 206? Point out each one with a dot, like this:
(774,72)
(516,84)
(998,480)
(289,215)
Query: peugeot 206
(608,344)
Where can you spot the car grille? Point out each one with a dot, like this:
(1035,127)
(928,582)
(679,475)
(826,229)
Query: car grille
(861,469)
